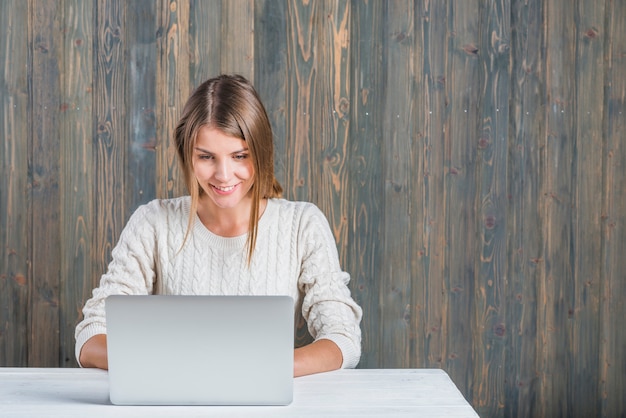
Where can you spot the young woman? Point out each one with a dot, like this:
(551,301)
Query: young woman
(233,234)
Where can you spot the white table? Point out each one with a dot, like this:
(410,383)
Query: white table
(361,393)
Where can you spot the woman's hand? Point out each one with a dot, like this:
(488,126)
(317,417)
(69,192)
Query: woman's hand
(94,352)
(320,356)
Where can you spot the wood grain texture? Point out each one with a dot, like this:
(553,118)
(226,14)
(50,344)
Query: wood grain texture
(44,292)
(301,61)
(366,160)
(463,223)
(15,202)
(270,51)
(76,186)
(141,50)
(429,246)
(417,193)
(397,104)
(612,373)
(237,47)
(270,70)
(331,126)
(556,286)
(525,261)
(584,312)
(110,131)
(172,90)
(492,167)
(205,40)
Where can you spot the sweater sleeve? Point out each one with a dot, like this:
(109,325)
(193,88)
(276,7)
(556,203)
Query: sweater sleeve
(131,271)
(328,308)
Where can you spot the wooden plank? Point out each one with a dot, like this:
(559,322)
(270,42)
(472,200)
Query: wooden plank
(15,203)
(612,378)
(428,204)
(270,69)
(141,65)
(237,48)
(491,178)
(332,118)
(205,40)
(463,204)
(587,210)
(555,293)
(418,190)
(172,90)
(44,155)
(301,61)
(76,146)
(525,218)
(110,131)
(365,234)
(397,105)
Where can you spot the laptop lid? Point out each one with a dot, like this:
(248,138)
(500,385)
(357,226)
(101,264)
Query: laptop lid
(200,350)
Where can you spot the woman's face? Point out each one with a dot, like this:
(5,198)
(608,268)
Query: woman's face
(223,167)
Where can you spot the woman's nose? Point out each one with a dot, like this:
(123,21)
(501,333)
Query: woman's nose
(223,170)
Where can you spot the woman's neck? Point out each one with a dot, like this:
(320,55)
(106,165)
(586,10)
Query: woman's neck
(227,222)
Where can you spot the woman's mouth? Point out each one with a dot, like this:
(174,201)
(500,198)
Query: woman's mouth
(224,190)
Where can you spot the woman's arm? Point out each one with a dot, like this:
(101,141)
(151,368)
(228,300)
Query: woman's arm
(131,271)
(320,356)
(332,316)
(94,352)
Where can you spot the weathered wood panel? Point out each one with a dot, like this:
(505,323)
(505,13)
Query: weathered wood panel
(332,125)
(270,70)
(15,231)
(301,62)
(463,79)
(492,165)
(468,155)
(205,39)
(584,312)
(525,220)
(172,89)
(612,373)
(237,47)
(417,193)
(555,292)
(365,236)
(429,290)
(110,137)
(45,165)
(140,79)
(76,175)
(397,124)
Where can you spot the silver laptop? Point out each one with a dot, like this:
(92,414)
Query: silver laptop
(200,350)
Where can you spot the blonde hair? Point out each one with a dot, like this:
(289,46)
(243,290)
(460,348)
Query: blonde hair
(230,104)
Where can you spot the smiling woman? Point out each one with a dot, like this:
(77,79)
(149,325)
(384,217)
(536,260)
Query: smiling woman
(233,234)
(231,107)
(225,174)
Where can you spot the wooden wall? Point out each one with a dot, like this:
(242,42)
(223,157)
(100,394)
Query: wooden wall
(469,155)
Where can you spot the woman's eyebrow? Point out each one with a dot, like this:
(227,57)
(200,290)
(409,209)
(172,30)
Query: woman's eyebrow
(209,152)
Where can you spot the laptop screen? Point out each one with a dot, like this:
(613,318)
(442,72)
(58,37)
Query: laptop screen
(200,350)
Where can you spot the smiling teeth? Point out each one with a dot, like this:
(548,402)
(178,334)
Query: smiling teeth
(225,189)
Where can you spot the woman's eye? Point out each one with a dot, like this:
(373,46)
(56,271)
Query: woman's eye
(241,156)
(205,157)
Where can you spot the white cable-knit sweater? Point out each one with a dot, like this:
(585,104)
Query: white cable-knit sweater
(295,255)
